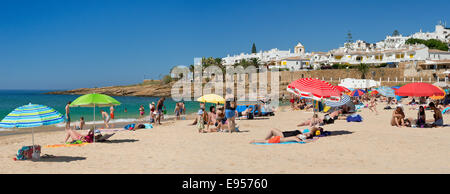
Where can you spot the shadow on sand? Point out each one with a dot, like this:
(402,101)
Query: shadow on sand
(120,141)
(340,132)
(60,159)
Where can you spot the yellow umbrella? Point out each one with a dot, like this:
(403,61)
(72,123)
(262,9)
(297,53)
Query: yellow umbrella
(439,97)
(212,98)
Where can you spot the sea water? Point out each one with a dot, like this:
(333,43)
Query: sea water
(11,99)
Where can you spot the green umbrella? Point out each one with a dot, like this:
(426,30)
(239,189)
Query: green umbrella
(93,100)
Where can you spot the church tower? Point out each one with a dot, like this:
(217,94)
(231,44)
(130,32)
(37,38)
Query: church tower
(299,49)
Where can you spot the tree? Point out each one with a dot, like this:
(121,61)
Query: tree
(349,39)
(395,33)
(253,48)
(363,69)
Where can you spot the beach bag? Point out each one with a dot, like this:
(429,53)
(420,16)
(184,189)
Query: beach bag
(26,152)
(354,118)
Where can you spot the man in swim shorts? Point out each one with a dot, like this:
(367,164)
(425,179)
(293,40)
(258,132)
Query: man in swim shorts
(159,108)
(438,119)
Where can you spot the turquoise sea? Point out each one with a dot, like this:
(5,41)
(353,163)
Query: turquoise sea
(11,99)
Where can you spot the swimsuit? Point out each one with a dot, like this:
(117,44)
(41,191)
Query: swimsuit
(275,139)
(112,115)
(291,133)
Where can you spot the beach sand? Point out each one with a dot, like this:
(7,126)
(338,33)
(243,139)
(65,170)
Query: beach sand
(372,146)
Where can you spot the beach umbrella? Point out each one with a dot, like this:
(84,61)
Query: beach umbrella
(315,89)
(386,91)
(439,97)
(212,98)
(344,100)
(419,89)
(342,89)
(94,100)
(357,92)
(31,115)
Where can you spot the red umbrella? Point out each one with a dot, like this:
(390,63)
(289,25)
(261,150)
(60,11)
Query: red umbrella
(342,89)
(418,90)
(315,89)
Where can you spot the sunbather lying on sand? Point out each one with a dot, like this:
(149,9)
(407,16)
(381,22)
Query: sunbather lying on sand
(277,136)
(84,138)
(314,121)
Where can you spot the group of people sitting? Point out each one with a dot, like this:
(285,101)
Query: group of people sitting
(399,119)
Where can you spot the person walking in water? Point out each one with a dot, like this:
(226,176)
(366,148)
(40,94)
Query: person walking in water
(159,108)
(105,117)
(141,112)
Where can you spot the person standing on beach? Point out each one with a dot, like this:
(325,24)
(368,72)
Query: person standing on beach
(68,115)
(105,117)
(152,112)
(111,112)
(230,110)
(177,111)
(159,108)
(373,105)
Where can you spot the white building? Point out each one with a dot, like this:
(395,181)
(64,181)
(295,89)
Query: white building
(441,33)
(266,57)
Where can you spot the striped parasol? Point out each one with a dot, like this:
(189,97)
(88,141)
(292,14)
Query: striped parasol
(31,115)
(343,89)
(315,89)
(386,91)
(344,100)
(357,92)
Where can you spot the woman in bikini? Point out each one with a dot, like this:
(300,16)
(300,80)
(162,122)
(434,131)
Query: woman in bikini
(277,136)
(314,121)
(373,105)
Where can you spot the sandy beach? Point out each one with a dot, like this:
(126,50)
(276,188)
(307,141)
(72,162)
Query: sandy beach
(372,146)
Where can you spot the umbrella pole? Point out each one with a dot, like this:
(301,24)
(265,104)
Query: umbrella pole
(94,123)
(32,137)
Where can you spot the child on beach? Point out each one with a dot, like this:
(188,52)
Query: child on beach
(202,118)
(398,117)
(80,126)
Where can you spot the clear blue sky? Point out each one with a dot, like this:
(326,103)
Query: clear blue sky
(64,44)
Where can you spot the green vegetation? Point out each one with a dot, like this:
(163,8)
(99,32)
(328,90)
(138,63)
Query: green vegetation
(363,69)
(431,43)
(166,79)
(253,48)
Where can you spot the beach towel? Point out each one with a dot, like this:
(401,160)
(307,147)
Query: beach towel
(112,130)
(446,110)
(64,145)
(130,126)
(290,142)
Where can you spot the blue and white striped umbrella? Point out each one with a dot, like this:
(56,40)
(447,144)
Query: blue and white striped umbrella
(344,100)
(31,115)
(386,91)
